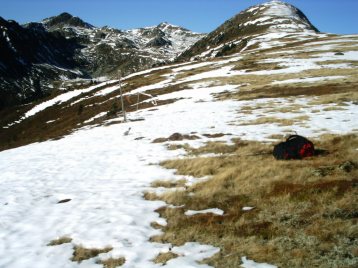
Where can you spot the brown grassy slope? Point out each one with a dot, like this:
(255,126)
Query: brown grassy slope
(305,211)
(69,117)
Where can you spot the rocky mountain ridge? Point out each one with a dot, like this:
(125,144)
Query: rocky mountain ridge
(35,55)
(106,49)
(30,54)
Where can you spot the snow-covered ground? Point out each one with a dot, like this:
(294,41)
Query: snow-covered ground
(104,173)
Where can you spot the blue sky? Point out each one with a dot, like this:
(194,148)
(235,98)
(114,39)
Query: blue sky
(334,16)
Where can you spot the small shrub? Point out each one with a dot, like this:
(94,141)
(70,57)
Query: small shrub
(114,109)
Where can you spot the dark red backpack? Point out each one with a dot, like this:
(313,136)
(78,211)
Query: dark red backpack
(295,147)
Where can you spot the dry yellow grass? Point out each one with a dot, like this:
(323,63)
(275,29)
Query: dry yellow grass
(163,258)
(80,253)
(60,241)
(177,146)
(275,120)
(339,99)
(274,106)
(216,147)
(333,108)
(259,86)
(276,137)
(151,78)
(191,72)
(291,108)
(168,183)
(305,211)
(112,262)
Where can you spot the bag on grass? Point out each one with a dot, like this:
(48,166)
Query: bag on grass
(295,147)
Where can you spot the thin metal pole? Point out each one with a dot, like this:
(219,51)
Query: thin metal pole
(122,102)
(137,100)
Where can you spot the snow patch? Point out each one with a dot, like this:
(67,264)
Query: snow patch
(60,99)
(246,263)
(247,208)
(95,117)
(190,254)
(215,211)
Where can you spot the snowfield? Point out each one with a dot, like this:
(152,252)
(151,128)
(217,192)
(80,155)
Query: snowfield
(104,174)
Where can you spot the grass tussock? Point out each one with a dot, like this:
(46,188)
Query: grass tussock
(80,253)
(150,196)
(168,183)
(112,262)
(302,218)
(60,241)
(163,258)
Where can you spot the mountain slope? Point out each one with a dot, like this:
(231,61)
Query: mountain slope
(31,54)
(274,18)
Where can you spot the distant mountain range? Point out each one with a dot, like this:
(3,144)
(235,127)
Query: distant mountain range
(34,56)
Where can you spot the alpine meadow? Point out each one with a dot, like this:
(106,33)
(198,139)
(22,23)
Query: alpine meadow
(163,147)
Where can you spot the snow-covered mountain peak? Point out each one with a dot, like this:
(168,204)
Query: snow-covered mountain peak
(65,20)
(279,9)
(165,27)
(279,16)
(273,19)
(170,38)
